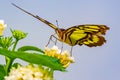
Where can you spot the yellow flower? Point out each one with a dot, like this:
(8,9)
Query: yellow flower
(2,26)
(63,56)
(30,72)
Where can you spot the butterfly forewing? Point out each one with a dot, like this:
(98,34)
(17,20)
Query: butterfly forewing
(101,29)
(77,35)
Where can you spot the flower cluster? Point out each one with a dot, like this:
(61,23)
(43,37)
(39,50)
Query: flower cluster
(63,56)
(46,62)
(2,26)
(30,72)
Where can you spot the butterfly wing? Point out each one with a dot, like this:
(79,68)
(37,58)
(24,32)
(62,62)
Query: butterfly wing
(90,35)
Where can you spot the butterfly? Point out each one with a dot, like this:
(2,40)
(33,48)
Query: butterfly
(90,35)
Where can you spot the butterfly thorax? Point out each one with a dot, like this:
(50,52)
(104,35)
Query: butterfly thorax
(63,37)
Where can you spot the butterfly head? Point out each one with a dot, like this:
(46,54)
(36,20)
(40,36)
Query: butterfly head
(60,32)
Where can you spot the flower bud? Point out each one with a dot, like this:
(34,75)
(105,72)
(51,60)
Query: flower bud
(18,34)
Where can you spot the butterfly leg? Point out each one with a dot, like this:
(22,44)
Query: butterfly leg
(49,41)
(56,41)
(61,48)
(52,40)
(71,50)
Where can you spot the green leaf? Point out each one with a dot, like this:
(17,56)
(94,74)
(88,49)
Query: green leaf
(29,48)
(2,72)
(34,58)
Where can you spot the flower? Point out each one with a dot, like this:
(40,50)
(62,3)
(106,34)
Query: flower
(30,72)
(63,56)
(2,26)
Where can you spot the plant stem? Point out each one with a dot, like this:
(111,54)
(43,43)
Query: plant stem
(52,71)
(9,61)
(14,46)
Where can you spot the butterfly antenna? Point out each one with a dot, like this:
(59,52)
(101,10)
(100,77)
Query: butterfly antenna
(57,23)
